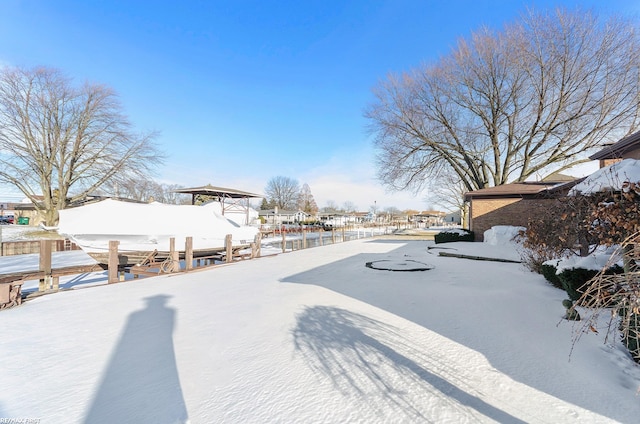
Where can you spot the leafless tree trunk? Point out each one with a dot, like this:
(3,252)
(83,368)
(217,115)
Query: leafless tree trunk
(504,106)
(62,142)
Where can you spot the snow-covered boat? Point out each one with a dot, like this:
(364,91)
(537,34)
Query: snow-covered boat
(142,229)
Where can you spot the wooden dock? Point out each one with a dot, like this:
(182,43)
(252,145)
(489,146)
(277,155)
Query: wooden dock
(150,264)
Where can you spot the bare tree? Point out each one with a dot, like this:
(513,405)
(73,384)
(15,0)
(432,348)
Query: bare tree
(145,190)
(62,141)
(167,194)
(283,192)
(306,201)
(331,207)
(349,206)
(447,191)
(392,213)
(505,105)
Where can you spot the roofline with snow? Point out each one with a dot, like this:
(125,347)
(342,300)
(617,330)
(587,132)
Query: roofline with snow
(616,150)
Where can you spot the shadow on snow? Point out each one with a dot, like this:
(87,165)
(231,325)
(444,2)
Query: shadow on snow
(409,297)
(141,382)
(370,359)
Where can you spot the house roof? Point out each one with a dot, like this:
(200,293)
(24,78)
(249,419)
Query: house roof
(431,213)
(558,177)
(264,212)
(616,150)
(525,189)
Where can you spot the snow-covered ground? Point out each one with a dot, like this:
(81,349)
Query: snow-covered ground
(315,336)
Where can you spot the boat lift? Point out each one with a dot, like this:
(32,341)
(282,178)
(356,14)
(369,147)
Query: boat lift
(232,200)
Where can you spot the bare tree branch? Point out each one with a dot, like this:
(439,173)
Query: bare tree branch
(503,106)
(283,192)
(62,142)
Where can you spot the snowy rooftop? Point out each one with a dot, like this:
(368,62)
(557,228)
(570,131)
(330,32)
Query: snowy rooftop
(612,177)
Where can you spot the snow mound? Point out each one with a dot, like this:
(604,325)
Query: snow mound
(459,231)
(603,257)
(501,235)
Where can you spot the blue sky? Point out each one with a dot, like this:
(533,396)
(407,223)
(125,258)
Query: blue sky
(242,91)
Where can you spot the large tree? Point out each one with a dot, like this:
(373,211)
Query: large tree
(306,201)
(505,105)
(62,141)
(283,192)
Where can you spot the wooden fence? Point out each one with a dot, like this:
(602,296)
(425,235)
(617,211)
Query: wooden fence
(10,248)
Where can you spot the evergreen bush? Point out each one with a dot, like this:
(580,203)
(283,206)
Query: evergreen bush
(573,280)
(549,273)
(458,235)
(631,337)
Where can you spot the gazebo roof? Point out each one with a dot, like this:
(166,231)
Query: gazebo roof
(210,190)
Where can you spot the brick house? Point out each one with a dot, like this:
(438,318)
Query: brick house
(513,204)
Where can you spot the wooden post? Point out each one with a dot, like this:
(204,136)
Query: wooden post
(333,236)
(343,234)
(304,239)
(113,262)
(284,241)
(258,242)
(228,245)
(188,253)
(45,264)
(320,231)
(174,255)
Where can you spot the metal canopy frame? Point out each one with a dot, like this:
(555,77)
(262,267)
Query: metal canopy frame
(230,199)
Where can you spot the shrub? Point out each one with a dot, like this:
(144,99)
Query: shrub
(574,280)
(549,273)
(451,236)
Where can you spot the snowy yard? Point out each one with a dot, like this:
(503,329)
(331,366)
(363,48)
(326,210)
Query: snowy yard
(315,336)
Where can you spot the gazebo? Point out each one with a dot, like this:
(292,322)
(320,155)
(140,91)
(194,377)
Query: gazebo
(232,200)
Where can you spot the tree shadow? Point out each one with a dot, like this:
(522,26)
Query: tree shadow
(468,314)
(355,352)
(141,382)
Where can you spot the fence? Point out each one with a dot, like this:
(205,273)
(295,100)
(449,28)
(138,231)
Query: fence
(10,248)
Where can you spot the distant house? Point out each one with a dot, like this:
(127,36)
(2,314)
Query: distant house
(279,217)
(429,218)
(513,204)
(364,217)
(453,218)
(23,212)
(626,148)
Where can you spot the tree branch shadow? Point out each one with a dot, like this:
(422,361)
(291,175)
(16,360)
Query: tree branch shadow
(355,353)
